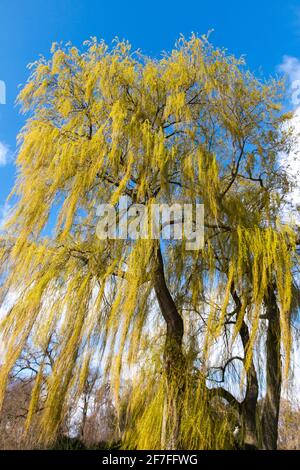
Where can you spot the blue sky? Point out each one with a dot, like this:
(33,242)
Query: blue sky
(263,30)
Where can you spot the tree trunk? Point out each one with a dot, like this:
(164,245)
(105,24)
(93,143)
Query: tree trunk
(248,409)
(270,413)
(173,358)
(249,404)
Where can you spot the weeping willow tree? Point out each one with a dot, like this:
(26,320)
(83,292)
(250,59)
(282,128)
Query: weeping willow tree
(192,126)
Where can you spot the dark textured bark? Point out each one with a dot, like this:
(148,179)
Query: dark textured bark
(248,408)
(249,404)
(173,356)
(271,406)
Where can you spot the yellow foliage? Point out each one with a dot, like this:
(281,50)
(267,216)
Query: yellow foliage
(107,122)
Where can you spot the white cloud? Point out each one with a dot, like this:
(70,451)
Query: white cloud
(291,68)
(4,154)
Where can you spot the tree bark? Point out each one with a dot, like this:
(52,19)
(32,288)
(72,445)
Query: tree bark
(271,406)
(173,357)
